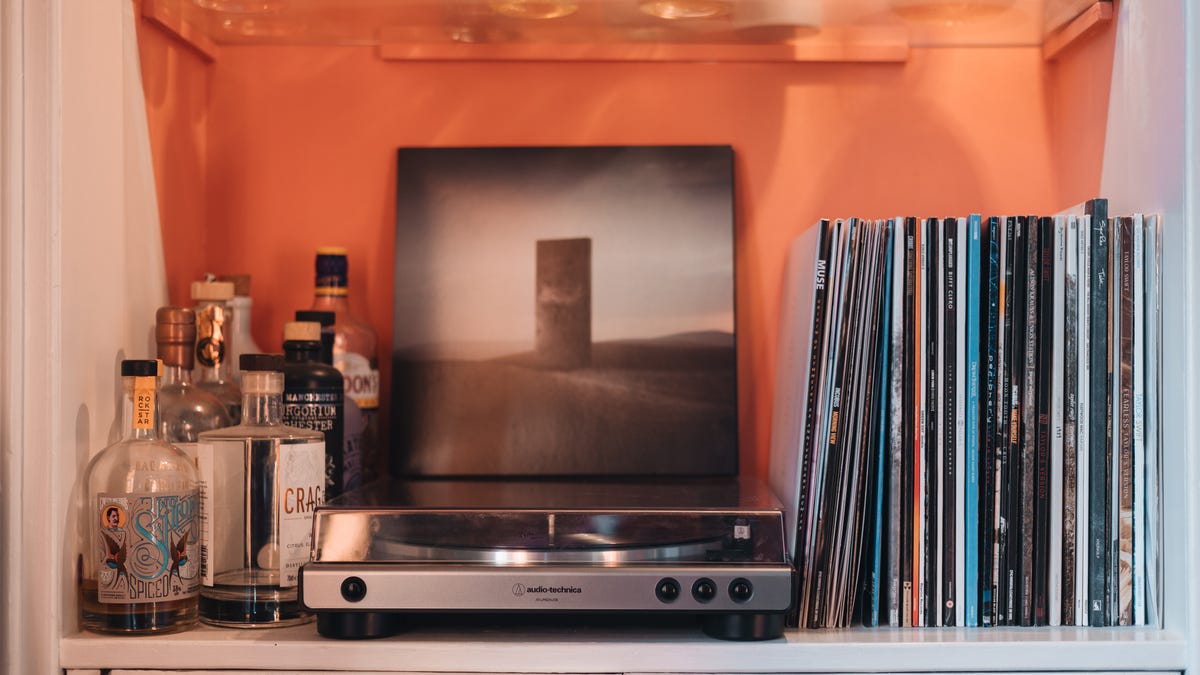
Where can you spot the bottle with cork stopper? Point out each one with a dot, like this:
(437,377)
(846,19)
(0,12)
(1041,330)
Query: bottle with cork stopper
(185,410)
(214,323)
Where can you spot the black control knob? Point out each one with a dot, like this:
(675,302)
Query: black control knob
(741,590)
(667,590)
(704,590)
(354,589)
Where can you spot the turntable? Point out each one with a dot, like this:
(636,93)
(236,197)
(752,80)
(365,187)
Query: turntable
(390,553)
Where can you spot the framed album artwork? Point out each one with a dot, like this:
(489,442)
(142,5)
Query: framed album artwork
(564,311)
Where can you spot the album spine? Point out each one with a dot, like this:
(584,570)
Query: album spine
(949,456)
(973,450)
(896,417)
(932,464)
(1070,466)
(1044,403)
(1098,417)
(990,283)
(816,350)
(910,427)
(1126,431)
(1015,431)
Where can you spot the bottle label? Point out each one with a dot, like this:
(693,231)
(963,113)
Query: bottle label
(362,381)
(315,409)
(302,487)
(143,402)
(211,328)
(147,547)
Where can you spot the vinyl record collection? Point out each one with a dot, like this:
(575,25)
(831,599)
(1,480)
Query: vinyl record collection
(967,422)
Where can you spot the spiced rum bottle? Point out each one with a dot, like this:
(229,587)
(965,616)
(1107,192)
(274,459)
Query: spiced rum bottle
(354,352)
(141,563)
(264,479)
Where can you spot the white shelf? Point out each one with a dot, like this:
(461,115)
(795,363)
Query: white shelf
(675,650)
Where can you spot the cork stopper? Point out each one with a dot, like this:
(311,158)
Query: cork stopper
(175,333)
(220,291)
(305,331)
(241,283)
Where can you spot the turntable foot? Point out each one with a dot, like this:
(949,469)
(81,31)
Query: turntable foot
(743,626)
(357,625)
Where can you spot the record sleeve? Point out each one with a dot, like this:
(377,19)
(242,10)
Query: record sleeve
(1098,413)
(972,450)
(1125,431)
(1056,374)
(1043,377)
(1070,463)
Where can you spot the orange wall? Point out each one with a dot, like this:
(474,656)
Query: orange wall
(1077,88)
(299,151)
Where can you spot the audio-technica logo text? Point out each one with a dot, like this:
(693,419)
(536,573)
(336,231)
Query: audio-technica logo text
(521,589)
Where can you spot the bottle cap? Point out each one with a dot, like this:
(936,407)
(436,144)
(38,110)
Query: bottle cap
(332,270)
(139,368)
(175,333)
(212,290)
(323,318)
(305,331)
(241,283)
(261,362)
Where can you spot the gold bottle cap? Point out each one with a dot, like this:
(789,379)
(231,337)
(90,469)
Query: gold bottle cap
(212,290)
(175,333)
(309,331)
(241,283)
(331,250)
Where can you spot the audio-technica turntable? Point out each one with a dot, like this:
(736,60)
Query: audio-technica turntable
(713,548)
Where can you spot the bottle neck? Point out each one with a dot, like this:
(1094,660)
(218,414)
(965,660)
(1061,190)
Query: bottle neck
(214,324)
(240,306)
(175,375)
(298,351)
(139,411)
(262,409)
(331,303)
(262,397)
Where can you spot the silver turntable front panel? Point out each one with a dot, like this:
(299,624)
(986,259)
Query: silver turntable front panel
(412,587)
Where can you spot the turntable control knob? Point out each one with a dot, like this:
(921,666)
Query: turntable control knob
(354,589)
(704,590)
(741,590)
(667,590)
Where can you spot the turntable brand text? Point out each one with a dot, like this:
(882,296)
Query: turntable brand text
(553,589)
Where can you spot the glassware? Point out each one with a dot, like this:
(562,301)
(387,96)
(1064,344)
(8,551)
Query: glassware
(241,340)
(354,352)
(185,410)
(140,573)
(264,481)
(213,326)
(313,399)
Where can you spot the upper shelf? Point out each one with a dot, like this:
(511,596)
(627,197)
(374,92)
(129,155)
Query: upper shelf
(776,30)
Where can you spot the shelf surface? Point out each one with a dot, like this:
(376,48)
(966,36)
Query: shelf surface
(566,649)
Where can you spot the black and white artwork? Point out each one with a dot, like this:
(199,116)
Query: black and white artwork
(564,311)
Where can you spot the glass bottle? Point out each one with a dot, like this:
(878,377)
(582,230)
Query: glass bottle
(353,423)
(184,409)
(312,399)
(213,326)
(140,572)
(241,340)
(326,320)
(264,481)
(354,352)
